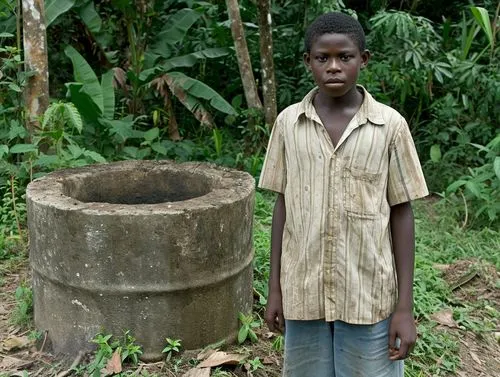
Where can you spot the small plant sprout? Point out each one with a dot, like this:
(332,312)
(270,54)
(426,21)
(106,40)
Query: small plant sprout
(247,324)
(278,343)
(254,364)
(173,346)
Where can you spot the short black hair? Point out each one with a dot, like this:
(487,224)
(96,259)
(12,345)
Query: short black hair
(338,23)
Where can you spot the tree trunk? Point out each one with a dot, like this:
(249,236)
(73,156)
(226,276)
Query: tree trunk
(244,64)
(35,59)
(267,61)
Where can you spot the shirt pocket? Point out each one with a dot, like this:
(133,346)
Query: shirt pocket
(361,192)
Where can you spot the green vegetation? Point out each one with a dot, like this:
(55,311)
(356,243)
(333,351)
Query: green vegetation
(173,346)
(160,80)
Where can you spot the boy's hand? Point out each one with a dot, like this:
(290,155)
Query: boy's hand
(403,327)
(274,312)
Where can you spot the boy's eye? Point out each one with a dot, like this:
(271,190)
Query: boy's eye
(345,58)
(321,59)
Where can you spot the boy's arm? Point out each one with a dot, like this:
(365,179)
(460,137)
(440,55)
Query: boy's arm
(274,311)
(403,242)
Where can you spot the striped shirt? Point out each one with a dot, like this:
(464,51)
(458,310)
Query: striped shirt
(337,261)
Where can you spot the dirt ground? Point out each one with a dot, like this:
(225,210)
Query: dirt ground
(479,353)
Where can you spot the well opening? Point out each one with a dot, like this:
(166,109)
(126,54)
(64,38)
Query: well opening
(136,187)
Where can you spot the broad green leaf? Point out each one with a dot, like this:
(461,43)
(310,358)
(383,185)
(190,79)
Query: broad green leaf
(108,93)
(4,150)
(191,59)
(94,156)
(191,103)
(496,166)
(23,148)
(151,134)
(455,186)
(435,153)
(90,17)
(474,188)
(123,128)
(84,74)
(243,333)
(482,18)
(158,148)
(252,336)
(54,8)
(6,35)
(198,89)
(83,101)
(174,31)
(75,150)
(188,60)
(15,87)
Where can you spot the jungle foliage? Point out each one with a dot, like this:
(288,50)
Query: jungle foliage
(135,79)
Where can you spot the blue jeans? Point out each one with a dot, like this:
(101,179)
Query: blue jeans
(338,349)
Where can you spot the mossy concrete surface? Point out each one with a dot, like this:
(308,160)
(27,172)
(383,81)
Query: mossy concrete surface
(155,247)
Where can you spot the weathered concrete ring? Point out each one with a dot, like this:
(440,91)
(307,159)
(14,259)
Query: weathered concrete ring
(158,248)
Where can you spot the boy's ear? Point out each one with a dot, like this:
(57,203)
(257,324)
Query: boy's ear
(365,57)
(307,60)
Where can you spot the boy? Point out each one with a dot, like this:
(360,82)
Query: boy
(342,243)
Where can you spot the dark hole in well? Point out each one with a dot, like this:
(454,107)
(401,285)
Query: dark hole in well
(137,187)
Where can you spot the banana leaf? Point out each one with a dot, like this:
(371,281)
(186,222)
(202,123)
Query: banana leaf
(188,60)
(90,17)
(84,74)
(108,93)
(198,89)
(174,31)
(54,8)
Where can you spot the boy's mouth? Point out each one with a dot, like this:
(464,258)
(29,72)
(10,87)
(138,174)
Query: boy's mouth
(334,81)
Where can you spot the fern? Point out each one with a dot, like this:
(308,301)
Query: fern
(49,115)
(72,116)
(62,114)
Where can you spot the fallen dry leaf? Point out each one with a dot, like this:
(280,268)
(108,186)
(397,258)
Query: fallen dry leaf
(475,357)
(269,335)
(10,362)
(221,358)
(205,354)
(15,342)
(445,318)
(114,365)
(197,372)
(268,361)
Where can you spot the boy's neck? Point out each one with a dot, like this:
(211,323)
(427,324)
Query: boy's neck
(351,100)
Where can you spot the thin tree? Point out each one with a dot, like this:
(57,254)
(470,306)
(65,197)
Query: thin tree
(244,64)
(35,60)
(267,61)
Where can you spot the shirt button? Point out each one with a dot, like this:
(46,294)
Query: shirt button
(330,238)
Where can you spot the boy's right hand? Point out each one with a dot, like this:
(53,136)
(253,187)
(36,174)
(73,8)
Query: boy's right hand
(274,312)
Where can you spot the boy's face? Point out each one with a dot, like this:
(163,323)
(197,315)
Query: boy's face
(335,61)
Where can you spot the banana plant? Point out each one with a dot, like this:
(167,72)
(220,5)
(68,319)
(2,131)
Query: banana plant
(154,65)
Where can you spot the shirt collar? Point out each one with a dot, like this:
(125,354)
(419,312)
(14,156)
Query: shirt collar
(370,109)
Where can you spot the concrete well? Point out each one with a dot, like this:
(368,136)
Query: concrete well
(158,248)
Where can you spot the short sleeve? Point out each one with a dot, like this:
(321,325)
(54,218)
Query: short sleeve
(273,175)
(406,179)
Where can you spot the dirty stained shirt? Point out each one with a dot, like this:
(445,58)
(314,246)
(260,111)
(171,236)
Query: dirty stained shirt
(337,261)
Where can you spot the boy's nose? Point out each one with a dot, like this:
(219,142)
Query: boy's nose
(333,65)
